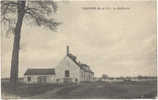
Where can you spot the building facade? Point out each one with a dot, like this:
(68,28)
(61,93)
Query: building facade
(40,76)
(67,71)
(71,70)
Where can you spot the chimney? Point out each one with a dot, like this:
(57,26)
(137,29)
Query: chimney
(67,50)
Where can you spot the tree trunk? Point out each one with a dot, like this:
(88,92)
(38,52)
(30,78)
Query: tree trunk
(16,44)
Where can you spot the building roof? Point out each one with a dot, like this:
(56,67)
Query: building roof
(73,58)
(49,71)
(85,65)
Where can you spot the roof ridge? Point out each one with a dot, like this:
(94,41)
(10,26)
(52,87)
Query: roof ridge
(79,65)
(40,71)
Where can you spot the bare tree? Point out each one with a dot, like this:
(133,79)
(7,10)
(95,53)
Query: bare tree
(15,12)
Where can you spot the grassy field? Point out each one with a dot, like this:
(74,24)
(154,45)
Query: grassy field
(146,89)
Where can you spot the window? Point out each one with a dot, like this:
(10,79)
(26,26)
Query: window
(67,73)
(29,79)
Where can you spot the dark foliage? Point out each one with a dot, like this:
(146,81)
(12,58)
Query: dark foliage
(39,12)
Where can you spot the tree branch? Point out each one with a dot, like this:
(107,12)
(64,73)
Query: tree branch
(5,5)
(42,20)
(10,3)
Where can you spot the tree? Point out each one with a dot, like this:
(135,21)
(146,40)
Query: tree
(15,12)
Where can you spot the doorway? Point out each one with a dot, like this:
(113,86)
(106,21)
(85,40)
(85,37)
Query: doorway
(67,73)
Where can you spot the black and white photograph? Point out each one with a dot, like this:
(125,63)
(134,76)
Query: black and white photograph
(78,49)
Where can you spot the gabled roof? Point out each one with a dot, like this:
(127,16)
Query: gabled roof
(73,58)
(40,72)
(85,65)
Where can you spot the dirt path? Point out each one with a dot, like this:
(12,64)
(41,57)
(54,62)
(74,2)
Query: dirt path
(65,92)
(55,93)
(46,94)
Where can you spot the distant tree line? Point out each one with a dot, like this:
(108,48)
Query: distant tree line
(105,76)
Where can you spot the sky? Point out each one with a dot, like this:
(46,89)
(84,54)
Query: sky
(112,41)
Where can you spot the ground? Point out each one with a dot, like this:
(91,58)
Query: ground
(91,90)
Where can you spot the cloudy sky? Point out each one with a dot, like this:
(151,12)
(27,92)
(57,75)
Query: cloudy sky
(117,42)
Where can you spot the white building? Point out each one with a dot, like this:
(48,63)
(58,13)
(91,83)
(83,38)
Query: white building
(68,70)
(40,76)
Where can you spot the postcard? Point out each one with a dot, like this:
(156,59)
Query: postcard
(78,49)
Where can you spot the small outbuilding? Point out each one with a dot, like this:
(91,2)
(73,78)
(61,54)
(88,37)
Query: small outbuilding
(40,76)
